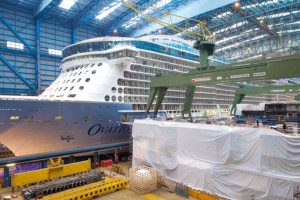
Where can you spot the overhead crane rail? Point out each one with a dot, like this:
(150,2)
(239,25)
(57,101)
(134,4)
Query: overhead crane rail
(91,190)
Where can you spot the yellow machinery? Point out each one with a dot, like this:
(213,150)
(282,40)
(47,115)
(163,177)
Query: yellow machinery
(91,190)
(200,29)
(202,195)
(54,171)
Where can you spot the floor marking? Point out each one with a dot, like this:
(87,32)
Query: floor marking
(152,197)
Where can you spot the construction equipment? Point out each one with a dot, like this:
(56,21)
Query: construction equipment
(90,190)
(39,191)
(240,93)
(230,73)
(21,179)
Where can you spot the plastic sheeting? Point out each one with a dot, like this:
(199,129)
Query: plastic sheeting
(232,162)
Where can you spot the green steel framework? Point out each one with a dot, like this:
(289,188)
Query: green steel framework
(242,92)
(276,68)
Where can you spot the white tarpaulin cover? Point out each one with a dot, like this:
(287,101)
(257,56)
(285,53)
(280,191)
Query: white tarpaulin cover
(232,162)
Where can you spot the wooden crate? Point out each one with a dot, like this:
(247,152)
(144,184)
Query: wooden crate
(143,179)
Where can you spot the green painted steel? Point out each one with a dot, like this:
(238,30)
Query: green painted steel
(297,97)
(189,96)
(276,68)
(242,92)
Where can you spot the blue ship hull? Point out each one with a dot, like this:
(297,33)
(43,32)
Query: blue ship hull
(30,127)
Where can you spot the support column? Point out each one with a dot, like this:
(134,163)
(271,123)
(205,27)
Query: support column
(37,58)
(151,97)
(116,156)
(160,97)
(73,35)
(96,159)
(6,176)
(188,100)
(44,164)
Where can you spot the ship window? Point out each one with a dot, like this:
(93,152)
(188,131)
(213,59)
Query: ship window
(86,66)
(71,74)
(61,95)
(81,67)
(120,98)
(120,90)
(71,88)
(94,72)
(58,118)
(75,73)
(99,64)
(92,65)
(79,80)
(79,73)
(65,88)
(14,118)
(52,95)
(60,89)
(73,80)
(64,81)
(72,95)
(113,98)
(86,71)
(106,98)
(68,81)
(81,88)
(87,80)
(113,90)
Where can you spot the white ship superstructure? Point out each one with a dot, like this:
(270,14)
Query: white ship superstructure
(115,69)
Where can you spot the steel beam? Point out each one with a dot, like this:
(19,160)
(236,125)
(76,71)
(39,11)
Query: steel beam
(16,72)
(189,96)
(276,68)
(15,32)
(37,62)
(44,6)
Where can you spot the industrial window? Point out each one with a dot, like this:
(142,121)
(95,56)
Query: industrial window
(113,98)
(113,90)
(94,72)
(58,118)
(99,64)
(71,88)
(15,45)
(72,95)
(106,98)
(81,88)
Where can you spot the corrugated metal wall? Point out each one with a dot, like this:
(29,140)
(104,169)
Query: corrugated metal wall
(19,69)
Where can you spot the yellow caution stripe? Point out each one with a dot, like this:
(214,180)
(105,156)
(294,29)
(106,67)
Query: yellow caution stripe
(152,197)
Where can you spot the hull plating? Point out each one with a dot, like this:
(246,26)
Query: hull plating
(30,127)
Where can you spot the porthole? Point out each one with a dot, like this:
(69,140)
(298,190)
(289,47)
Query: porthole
(113,90)
(107,98)
(81,88)
(87,80)
(99,64)
(94,72)
(113,98)
(120,98)
(120,90)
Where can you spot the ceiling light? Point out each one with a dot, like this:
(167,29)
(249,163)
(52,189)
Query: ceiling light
(67,4)
(237,4)
(115,31)
(261,21)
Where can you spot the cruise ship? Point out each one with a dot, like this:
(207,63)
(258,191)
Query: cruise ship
(103,84)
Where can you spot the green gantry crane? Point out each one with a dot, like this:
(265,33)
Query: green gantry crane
(242,92)
(276,68)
